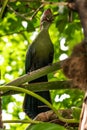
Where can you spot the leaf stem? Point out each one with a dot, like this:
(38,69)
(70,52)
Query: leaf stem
(22,121)
(39,98)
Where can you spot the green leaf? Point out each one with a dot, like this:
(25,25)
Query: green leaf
(76,112)
(30,27)
(45,126)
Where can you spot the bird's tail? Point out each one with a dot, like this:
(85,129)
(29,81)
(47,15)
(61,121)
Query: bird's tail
(33,106)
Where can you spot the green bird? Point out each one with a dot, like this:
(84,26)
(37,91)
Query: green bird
(39,54)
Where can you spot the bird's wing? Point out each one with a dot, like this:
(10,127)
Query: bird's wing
(51,54)
(28,60)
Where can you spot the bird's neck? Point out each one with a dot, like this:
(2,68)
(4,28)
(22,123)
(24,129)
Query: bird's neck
(44,29)
(44,26)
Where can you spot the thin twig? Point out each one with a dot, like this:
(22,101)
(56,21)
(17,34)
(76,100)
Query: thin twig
(55,3)
(21,121)
(37,11)
(18,14)
(44,2)
(3,8)
(41,6)
(11,33)
(34,14)
(1,124)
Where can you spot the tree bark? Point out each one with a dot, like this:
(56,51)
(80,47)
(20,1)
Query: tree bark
(83,116)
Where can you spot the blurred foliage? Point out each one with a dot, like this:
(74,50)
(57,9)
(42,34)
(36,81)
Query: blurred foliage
(18,27)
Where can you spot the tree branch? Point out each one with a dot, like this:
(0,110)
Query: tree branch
(35,74)
(48,116)
(43,3)
(18,14)
(83,116)
(51,117)
(44,86)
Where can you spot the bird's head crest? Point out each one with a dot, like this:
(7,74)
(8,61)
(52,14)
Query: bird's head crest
(47,16)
